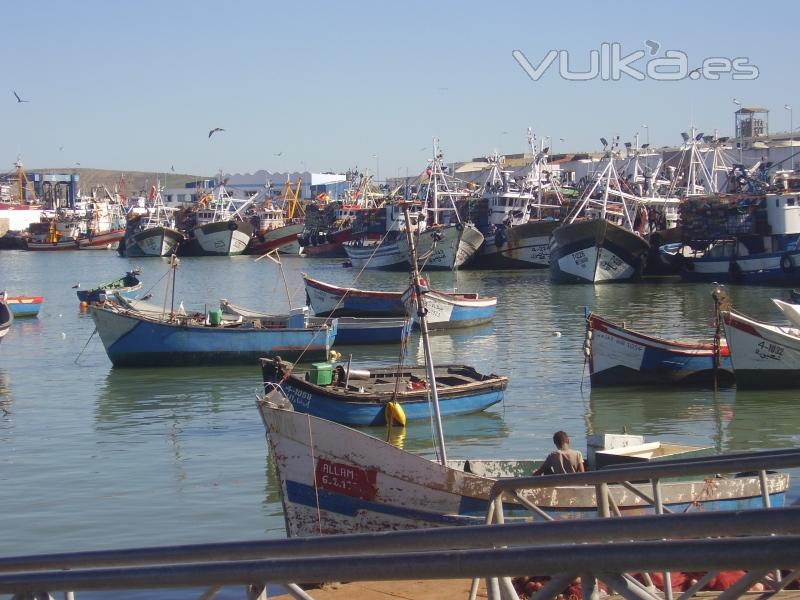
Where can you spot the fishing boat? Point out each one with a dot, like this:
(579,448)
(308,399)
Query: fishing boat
(618,355)
(220,229)
(24,306)
(140,339)
(6,316)
(448,242)
(326,299)
(517,218)
(339,480)
(154,233)
(53,235)
(756,245)
(127,285)
(451,310)
(349,330)
(763,355)
(278,227)
(361,398)
(105,226)
(137,334)
(601,240)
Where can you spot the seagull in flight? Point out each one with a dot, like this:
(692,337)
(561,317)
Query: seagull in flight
(279,153)
(215,130)
(16,95)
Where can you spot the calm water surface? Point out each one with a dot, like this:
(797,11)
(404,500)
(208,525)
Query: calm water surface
(93,457)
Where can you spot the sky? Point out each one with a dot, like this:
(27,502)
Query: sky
(327,86)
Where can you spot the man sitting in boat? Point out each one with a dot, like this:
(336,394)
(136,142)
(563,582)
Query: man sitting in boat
(563,460)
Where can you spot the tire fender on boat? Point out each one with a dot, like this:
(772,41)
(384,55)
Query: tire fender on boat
(787,264)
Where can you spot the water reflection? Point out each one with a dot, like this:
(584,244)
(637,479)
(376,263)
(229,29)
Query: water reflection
(131,397)
(734,420)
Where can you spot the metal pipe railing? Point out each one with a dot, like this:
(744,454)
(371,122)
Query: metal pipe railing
(781,521)
(750,461)
(751,554)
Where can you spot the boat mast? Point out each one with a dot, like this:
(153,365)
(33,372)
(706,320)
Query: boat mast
(426,346)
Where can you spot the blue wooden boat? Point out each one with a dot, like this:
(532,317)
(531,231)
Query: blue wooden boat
(361,399)
(6,317)
(445,310)
(134,338)
(349,330)
(126,286)
(620,356)
(24,306)
(326,299)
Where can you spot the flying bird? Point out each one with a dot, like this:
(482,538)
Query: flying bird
(172,168)
(215,130)
(76,286)
(279,153)
(60,148)
(16,95)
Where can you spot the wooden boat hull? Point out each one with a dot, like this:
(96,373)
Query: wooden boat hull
(338,480)
(773,268)
(620,356)
(350,406)
(386,256)
(596,251)
(24,306)
(283,239)
(326,299)
(763,355)
(106,240)
(451,311)
(223,238)
(155,241)
(352,331)
(349,330)
(62,245)
(525,246)
(447,248)
(135,341)
(6,319)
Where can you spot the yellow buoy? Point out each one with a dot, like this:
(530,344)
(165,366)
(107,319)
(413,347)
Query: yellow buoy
(395,415)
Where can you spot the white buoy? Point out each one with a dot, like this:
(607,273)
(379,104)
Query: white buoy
(556,334)
(63,335)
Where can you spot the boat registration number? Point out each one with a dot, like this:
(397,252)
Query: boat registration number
(346,479)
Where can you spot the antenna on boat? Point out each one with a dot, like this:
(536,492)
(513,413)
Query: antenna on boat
(416,283)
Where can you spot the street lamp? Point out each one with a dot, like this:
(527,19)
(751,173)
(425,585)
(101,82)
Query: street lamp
(791,132)
(647,131)
(739,127)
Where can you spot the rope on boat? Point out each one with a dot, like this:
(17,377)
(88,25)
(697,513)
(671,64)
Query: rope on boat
(85,345)
(326,320)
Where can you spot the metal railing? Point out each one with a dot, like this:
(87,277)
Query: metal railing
(764,543)
(632,478)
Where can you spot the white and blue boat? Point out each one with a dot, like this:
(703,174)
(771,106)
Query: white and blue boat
(745,240)
(135,338)
(445,310)
(451,311)
(360,398)
(621,356)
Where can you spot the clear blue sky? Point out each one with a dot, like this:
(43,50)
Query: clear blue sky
(330,85)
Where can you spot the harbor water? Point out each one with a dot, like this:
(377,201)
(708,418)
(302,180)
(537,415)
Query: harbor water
(94,457)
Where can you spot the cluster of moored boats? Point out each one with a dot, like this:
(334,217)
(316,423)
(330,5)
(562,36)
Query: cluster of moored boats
(703,216)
